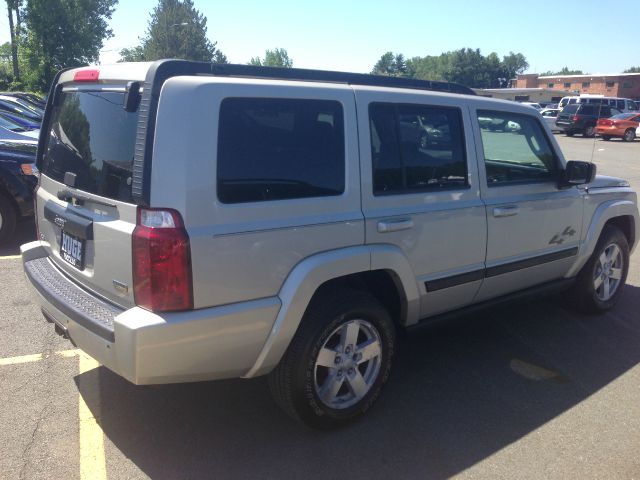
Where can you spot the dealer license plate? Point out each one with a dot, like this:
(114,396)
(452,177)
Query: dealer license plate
(72,250)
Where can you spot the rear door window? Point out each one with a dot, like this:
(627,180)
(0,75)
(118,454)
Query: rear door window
(416,148)
(278,149)
(93,137)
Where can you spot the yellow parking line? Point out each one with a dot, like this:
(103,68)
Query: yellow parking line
(36,357)
(92,460)
(10,257)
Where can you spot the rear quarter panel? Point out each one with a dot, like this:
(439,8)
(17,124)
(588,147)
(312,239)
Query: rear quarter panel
(244,251)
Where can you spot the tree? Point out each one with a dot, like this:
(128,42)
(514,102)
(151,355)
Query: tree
(12,5)
(632,70)
(514,64)
(63,33)
(278,57)
(176,30)
(394,65)
(135,54)
(562,72)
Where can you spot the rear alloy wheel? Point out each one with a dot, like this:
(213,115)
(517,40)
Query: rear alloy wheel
(589,131)
(7,219)
(338,360)
(629,135)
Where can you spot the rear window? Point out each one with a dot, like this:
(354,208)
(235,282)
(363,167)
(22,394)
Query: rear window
(623,116)
(93,137)
(277,149)
(589,110)
(570,108)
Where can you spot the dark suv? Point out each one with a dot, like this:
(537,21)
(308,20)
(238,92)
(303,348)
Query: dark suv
(18,178)
(582,118)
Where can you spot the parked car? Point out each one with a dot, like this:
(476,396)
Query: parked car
(622,126)
(12,131)
(582,118)
(18,178)
(13,106)
(535,105)
(289,230)
(30,98)
(624,105)
(550,115)
(20,120)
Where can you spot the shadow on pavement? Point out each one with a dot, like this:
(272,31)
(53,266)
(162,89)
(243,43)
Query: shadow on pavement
(25,232)
(454,399)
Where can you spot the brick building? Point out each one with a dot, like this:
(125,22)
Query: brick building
(624,85)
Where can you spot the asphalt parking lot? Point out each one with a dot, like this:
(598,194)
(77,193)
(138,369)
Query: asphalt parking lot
(530,391)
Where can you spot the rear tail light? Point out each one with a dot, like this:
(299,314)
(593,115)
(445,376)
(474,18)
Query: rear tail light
(29,169)
(162,278)
(575,118)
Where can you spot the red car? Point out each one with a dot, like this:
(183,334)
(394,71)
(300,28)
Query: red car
(623,125)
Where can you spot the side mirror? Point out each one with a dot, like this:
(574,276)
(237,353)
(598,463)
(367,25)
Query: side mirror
(578,173)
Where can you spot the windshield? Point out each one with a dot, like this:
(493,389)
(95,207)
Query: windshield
(92,136)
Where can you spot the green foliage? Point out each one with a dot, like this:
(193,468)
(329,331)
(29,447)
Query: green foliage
(135,54)
(563,71)
(60,34)
(465,66)
(632,70)
(176,30)
(277,57)
(394,65)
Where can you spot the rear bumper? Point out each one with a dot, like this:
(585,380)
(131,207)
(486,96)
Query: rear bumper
(146,347)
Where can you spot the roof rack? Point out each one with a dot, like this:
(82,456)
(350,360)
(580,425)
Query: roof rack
(172,68)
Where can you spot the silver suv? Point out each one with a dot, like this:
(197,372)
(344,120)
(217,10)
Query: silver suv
(202,222)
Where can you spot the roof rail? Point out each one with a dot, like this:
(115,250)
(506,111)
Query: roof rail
(183,67)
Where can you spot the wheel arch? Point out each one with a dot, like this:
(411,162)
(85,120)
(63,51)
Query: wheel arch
(620,213)
(374,268)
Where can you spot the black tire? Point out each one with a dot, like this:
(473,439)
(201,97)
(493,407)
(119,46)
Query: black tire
(294,382)
(629,135)
(569,133)
(606,138)
(583,295)
(7,219)
(589,131)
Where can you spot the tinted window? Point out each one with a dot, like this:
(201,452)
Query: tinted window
(570,109)
(623,116)
(275,149)
(416,148)
(515,149)
(589,110)
(93,136)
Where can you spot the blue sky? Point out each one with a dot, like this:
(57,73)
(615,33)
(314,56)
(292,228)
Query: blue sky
(351,35)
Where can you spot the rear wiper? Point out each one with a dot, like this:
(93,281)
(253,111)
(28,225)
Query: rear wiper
(68,196)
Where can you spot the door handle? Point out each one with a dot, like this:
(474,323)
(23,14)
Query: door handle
(506,211)
(386,226)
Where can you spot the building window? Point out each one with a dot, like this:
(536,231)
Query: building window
(626,84)
(586,84)
(610,84)
(550,85)
(567,84)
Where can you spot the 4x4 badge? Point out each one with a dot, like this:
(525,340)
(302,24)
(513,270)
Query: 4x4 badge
(558,238)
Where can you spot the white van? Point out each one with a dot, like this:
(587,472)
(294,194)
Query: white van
(623,104)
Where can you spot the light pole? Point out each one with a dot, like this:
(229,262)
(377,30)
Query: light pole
(167,34)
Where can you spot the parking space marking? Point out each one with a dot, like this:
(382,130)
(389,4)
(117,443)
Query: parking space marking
(92,459)
(36,357)
(10,257)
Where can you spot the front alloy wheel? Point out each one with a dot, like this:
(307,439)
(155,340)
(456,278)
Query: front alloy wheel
(608,272)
